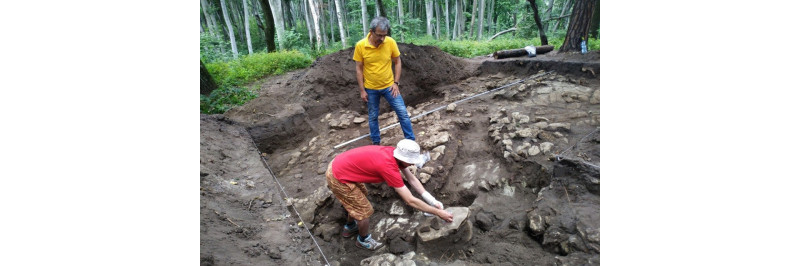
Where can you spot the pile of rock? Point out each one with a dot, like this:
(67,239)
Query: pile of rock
(521,137)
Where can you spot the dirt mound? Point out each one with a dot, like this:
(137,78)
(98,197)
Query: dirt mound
(330,85)
(522,162)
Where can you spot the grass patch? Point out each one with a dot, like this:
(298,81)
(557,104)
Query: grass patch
(469,49)
(232,75)
(223,99)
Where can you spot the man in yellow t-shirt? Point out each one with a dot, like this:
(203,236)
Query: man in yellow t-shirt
(374,56)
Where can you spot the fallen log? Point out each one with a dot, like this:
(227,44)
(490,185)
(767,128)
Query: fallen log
(521,52)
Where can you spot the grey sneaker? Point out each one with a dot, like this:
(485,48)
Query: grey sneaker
(349,231)
(368,243)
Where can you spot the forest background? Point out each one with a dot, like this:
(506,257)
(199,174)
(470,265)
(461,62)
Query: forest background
(243,41)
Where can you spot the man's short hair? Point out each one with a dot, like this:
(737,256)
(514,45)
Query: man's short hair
(380,23)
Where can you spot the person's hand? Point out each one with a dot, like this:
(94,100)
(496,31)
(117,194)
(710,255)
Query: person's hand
(364,95)
(395,90)
(446,216)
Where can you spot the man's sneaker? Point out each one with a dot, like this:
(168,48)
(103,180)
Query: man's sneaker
(368,243)
(349,231)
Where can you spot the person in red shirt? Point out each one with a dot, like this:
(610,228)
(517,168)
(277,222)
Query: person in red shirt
(348,172)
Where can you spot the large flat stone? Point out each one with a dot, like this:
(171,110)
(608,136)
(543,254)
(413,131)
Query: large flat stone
(460,214)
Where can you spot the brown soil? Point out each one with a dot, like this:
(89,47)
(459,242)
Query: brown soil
(524,160)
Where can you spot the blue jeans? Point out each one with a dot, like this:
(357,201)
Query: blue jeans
(399,107)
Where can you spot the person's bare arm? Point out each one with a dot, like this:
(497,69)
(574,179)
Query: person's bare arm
(418,204)
(398,67)
(414,182)
(360,79)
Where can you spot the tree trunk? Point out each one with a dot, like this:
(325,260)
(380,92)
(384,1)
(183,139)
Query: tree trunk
(364,16)
(277,16)
(288,21)
(381,8)
(429,16)
(400,18)
(247,28)
(210,21)
(489,13)
(269,30)
(480,19)
(447,18)
(542,35)
(207,84)
(548,14)
(230,29)
(309,24)
(563,11)
(321,21)
(455,21)
(594,28)
(463,26)
(473,15)
(502,32)
(312,6)
(341,23)
(332,20)
(521,52)
(437,10)
(578,25)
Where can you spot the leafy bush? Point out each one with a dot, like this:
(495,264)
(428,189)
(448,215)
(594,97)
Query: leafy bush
(214,48)
(223,99)
(230,76)
(249,68)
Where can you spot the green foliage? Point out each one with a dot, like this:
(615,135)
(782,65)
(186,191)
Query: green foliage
(232,75)
(223,99)
(214,48)
(293,40)
(248,68)
(476,48)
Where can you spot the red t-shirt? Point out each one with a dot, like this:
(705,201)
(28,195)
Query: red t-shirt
(368,164)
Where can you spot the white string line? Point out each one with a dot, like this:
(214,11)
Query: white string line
(444,106)
(559,156)
(294,207)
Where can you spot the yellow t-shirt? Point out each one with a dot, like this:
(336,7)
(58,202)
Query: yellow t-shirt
(378,72)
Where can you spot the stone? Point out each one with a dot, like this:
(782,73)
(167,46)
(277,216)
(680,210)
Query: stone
(564,127)
(533,151)
(547,136)
(451,107)
(505,120)
(541,124)
(436,224)
(428,170)
(507,142)
(379,260)
(308,205)
(524,119)
(546,146)
(484,221)
(397,208)
(359,120)
(536,223)
(595,99)
(460,215)
(525,133)
(398,246)
(423,178)
(327,231)
(434,140)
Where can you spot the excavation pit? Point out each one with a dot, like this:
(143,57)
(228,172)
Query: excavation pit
(524,160)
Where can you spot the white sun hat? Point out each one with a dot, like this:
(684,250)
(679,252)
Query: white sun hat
(408,151)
